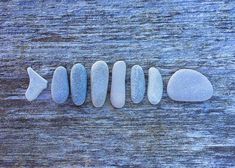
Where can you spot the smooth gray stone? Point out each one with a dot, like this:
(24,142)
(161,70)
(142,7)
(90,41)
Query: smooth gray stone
(78,84)
(190,86)
(155,86)
(36,85)
(99,83)
(60,85)
(118,89)
(137,84)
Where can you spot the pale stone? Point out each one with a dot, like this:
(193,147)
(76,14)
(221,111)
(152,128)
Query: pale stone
(78,84)
(60,85)
(99,83)
(155,86)
(36,85)
(190,86)
(118,90)
(137,84)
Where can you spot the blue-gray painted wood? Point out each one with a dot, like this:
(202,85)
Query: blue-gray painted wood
(169,35)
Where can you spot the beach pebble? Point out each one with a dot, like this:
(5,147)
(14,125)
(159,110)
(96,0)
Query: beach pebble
(190,86)
(137,84)
(36,85)
(155,86)
(60,85)
(118,90)
(78,84)
(99,83)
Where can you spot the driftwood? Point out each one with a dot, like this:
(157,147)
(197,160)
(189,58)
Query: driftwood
(169,35)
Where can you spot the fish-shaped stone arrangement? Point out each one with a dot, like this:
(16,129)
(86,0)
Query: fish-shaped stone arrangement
(185,85)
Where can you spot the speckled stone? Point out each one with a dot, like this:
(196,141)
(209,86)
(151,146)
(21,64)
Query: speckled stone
(137,84)
(36,85)
(99,83)
(155,86)
(118,89)
(78,84)
(190,86)
(60,85)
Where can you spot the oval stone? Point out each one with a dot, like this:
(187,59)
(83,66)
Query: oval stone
(78,84)
(190,86)
(118,89)
(60,85)
(99,83)
(155,86)
(137,84)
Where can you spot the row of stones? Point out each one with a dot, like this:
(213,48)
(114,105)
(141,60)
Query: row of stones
(184,85)
(99,84)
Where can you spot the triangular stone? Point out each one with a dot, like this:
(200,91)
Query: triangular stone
(36,85)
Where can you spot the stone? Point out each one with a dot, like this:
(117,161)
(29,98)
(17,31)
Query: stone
(78,84)
(36,85)
(155,86)
(99,83)
(118,89)
(60,85)
(189,86)
(137,84)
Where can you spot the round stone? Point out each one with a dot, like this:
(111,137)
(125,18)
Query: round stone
(190,86)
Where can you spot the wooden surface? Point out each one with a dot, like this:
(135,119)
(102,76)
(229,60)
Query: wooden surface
(168,34)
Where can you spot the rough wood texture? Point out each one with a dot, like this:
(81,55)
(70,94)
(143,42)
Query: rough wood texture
(168,34)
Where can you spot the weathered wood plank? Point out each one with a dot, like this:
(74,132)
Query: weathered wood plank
(169,34)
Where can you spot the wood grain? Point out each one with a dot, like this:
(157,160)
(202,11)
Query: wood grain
(168,34)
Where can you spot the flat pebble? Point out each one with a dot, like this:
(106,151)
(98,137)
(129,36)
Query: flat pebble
(137,84)
(118,90)
(155,86)
(36,85)
(60,85)
(78,84)
(190,86)
(99,83)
